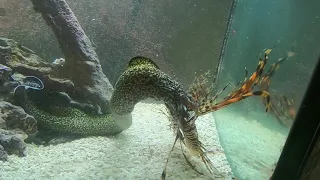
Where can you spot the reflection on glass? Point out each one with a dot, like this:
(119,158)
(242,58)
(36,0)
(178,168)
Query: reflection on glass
(251,138)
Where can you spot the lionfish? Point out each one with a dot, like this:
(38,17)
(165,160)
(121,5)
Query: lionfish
(281,106)
(202,95)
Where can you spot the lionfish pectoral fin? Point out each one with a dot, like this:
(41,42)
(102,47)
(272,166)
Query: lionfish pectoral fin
(268,103)
(246,73)
(267,51)
(263,94)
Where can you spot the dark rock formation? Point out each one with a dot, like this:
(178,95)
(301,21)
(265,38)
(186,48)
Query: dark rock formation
(24,61)
(12,145)
(15,124)
(6,85)
(14,117)
(5,73)
(3,154)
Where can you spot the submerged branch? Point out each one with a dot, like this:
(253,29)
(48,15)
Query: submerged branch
(82,65)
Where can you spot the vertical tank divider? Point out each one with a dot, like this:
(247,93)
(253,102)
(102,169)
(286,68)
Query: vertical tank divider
(225,41)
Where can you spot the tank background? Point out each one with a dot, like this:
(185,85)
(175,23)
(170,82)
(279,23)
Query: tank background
(181,36)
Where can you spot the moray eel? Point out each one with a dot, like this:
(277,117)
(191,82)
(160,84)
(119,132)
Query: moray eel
(141,80)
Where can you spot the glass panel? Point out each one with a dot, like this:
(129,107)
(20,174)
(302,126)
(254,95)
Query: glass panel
(182,37)
(251,138)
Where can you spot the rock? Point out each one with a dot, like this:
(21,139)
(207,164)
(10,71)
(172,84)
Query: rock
(24,61)
(18,77)
(12,145)
(5,84)
(15,124)
(7,87)
(5,72)
(16,132)
(16,118)
(2,123)
(3,154)
(90,87)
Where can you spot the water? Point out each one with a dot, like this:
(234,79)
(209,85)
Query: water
(252,139)
(184,38)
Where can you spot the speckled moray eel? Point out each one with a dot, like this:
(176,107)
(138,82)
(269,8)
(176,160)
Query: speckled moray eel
(141,80)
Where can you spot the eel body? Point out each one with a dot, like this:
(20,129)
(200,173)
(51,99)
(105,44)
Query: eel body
(141,80)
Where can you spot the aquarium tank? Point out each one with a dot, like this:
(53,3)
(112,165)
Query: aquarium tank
(131,89)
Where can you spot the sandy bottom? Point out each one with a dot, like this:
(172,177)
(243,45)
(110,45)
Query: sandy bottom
(137,153)
(252,142)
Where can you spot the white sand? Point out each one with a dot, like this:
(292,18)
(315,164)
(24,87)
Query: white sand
(137,153)
(252,142)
